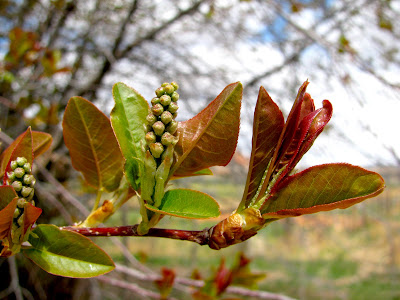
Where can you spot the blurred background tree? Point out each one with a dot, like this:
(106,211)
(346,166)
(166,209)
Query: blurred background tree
(52,50)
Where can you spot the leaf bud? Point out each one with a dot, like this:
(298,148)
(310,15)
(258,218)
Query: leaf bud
(157,109)
(150,137)
(173,107)
(175,96)
(158,128)
(167,139)
(166,117)
(27,167)
(169,89)
(21,161)
(155,100)
(165,100)
(21,202)
(151,119)
(175,85)
(19,172)
(160,91)
(17,186)
(11,176)
(14,164)
(26,191)
(156,149)
(172,127)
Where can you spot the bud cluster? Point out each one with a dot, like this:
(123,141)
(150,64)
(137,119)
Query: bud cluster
(162,126)
(23,182)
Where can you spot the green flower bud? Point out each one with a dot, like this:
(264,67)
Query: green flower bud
(165,100)
(167,139)
(173,107)
(14,164)
(21,202)
(21,161)
(20,220)
(26,191)
(16,213)
(17,186)
(155,100)
(156,149)
(11,176)
(160,91)
(150,137)
(19,172)
(159,128)
(28,180)
(157,109)
(175,85)
(172,127)
(165,84)
(169,89)
(166,117)
(27,167)
(175,96)
(151,119)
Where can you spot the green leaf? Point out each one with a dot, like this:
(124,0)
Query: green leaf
(210,138)
(322,188)
(186,203)
(267,127)
(66,253)
(128,118)
(92,144)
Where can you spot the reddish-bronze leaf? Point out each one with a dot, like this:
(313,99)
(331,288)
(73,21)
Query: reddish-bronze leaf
(7,194)
(6,218)
(267,127)
(92,144)
(210,138)
(322,188)
(41,142)
(31,214)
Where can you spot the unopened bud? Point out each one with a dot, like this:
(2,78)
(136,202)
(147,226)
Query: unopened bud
(27,167)
(16,213)
(156,149)
(21,161)
(21,202)
(167,139)
(175,96)
(159,128)
(157,109)
(150,137)
(165,100)
(175,85)
(166,117)
(160,91)
(19,172)
(172,127)
(151,119)
(17,186)
(169,89)
(155,100)
(14,164)
(26,191)
(165,84)
(28,179)
(11,176)
(173,107)
(20,220)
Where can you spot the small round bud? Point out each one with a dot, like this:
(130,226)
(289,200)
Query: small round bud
(156,149)
(14,164)
(173,107)
(165,100)
(155,100)
(167,139)
(19,172)
(158,128)
(172,127)
(28,179)
(20,220)
(26,191)
(165,84)
(21,161)
(150,137)
(151,119)
(175,96)
(16,213)
(21,202)
(11,176)
(166,117)
(169,89)
(160,91)
(157,109)
(17,186)
(175,85)
(27,167)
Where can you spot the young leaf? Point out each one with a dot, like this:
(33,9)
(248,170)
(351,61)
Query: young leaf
(322,188)
(210,138)
(93,147)
(267,127)
(31,214)
(128,118)
(188,204)
(6,218)
(66,253)
(7,194)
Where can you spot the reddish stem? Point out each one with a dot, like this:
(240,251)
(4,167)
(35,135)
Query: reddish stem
(199,237)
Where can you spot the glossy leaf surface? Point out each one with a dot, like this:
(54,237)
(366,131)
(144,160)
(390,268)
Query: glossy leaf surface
(210,138)
(267,127)
(93,147)
(128,118)
(189,204)
(7,194)
(66,253)
(322,188)
(6,218)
